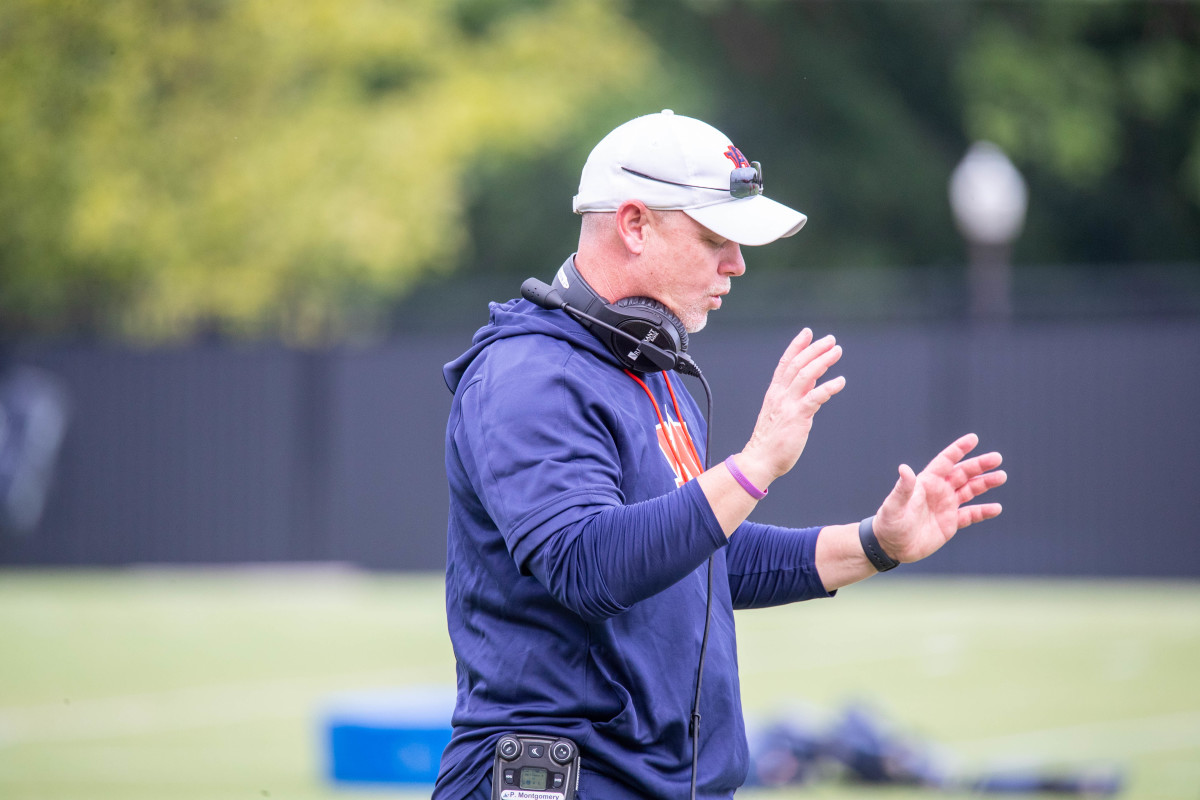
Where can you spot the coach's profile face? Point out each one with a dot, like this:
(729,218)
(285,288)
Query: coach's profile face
(678,262)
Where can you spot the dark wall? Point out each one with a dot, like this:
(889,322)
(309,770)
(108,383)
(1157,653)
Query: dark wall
(1097,423)
(227,454)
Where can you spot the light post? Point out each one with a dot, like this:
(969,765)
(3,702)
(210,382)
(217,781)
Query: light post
(989,197)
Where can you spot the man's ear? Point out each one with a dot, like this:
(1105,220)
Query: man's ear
(633,223)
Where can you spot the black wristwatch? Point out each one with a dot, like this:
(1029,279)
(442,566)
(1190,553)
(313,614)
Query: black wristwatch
(870,545)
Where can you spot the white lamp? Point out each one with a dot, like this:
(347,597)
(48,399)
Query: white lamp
(989,198)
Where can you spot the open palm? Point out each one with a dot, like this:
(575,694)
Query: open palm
(924,511)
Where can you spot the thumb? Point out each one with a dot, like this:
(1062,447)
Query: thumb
(905,484)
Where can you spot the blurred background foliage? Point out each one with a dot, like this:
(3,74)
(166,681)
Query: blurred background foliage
(178,168)
(177,165)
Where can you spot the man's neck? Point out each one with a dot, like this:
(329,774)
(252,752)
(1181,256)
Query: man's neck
(601,276)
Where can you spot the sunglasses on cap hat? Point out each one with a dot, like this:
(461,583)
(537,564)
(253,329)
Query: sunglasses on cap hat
(743,181)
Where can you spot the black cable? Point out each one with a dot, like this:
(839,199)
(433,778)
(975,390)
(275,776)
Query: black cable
(694,723)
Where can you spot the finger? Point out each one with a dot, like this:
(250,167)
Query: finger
(946,460)
(974,467)
(783,369)
(814,359)
(969,515)
(820,395)
(808,356)
(808,375)
(980,484)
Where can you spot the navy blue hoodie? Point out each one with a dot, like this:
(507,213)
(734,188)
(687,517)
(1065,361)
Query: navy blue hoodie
(576,566)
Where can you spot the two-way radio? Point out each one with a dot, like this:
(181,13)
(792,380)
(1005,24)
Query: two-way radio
(535,768)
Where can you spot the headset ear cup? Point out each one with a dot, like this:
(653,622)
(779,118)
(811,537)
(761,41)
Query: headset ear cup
(637,319)
(655,313)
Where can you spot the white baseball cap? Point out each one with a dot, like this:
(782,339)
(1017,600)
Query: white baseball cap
(672,162)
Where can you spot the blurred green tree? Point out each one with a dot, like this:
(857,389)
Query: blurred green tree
(169,166)
(860,110)
(174,166)
(1100,104)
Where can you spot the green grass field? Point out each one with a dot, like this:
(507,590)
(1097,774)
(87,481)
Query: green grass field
(209,684)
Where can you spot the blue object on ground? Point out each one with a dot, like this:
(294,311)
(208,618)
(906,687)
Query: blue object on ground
(386,736)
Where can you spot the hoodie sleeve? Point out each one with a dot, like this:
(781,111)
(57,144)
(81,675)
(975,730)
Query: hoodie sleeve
(604,564)
(541,457)
(770,565)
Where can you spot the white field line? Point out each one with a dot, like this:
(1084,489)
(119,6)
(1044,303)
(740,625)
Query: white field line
(1113,739)
(180,709)
(207,706)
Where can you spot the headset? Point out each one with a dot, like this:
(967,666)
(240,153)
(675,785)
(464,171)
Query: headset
(644,336)
(641,332)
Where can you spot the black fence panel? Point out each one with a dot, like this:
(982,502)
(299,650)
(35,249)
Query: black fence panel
(388,494)
(221,454)
(181,455)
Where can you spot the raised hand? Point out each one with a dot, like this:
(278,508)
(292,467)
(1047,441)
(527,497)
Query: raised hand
(924,510)
(791,401)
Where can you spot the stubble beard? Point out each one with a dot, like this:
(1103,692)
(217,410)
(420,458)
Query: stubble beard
(694,322)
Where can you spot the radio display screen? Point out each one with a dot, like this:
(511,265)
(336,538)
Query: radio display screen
(533,778)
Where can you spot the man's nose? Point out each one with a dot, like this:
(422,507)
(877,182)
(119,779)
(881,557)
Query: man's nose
(732,263)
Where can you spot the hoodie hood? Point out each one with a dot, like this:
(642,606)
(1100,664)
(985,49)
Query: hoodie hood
(520,317)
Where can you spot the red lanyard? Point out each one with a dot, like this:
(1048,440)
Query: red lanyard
(668,434)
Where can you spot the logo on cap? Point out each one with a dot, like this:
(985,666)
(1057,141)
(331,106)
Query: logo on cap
(735,155)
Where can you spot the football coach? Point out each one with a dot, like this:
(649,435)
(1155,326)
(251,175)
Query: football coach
(594,557)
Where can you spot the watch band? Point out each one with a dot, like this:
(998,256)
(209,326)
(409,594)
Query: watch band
(870,545)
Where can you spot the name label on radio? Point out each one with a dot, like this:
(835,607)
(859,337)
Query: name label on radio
(522,794)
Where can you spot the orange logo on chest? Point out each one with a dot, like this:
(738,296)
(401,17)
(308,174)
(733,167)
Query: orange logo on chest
(676,445)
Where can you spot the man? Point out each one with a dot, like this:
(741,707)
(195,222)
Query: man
(583,529)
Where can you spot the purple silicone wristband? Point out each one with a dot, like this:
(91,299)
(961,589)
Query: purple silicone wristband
(743,481)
